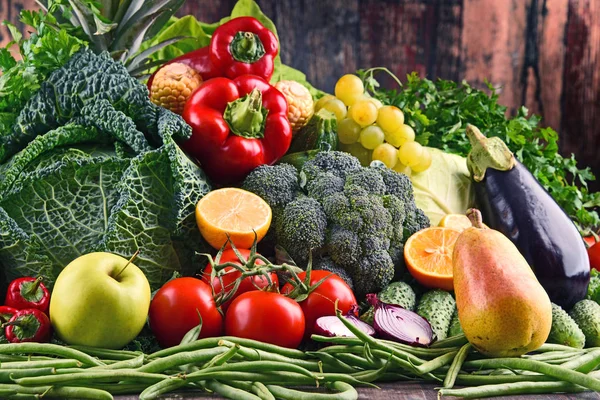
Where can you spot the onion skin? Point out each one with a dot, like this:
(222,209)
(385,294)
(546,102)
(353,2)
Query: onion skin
(398,324)
(331,326)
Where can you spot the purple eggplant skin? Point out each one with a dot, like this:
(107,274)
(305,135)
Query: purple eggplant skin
(516,204)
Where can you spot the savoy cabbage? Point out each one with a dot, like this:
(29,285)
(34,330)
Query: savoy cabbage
(92,165)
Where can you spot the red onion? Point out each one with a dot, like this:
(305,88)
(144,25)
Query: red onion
(399,324)
(331,326)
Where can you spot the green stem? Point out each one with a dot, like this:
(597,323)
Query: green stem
(246,47)
(246,116)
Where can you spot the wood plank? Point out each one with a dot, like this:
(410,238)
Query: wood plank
(580,133)
(9,11)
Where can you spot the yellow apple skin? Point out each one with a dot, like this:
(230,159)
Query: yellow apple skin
(90,307)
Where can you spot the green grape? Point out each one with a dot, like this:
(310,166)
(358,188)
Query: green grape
(387,154)
(377,103)
(323,100)
(348,131)
(403,135)
(401,168)
(425,162)
(390,118)
(410,153)
(364,112)
(358,151)
(371,137)
(349,88)
(337,107)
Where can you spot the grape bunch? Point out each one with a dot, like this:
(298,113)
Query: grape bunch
(369,130)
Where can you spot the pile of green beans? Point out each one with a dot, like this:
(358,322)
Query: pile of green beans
(243,369)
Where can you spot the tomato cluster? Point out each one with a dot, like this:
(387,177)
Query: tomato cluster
(257,310)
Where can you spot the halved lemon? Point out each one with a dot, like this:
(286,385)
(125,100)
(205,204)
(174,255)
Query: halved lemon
(234,212)
(428,256)
(456,221)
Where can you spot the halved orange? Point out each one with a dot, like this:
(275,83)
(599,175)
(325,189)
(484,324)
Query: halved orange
(456,221)
(428,256)
(234,212)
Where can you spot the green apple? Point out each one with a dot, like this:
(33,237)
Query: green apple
(101,300)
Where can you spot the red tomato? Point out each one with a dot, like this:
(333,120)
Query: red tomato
(594,254)
(589,240)
(321,301)
(173,311)
(266,316)
(250,283)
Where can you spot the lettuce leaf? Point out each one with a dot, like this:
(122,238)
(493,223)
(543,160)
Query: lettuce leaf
(444,188)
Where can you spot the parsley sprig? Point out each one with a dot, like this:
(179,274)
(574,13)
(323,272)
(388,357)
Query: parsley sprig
(440,110)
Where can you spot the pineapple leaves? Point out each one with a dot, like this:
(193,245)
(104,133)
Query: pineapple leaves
(143,58)
(86,19)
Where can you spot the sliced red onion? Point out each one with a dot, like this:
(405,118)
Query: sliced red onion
(399,324)
(331,326)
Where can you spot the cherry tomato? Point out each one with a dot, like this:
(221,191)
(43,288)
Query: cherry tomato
(321,301)
(266,316)
(594,254)
(250,283)
(173,311)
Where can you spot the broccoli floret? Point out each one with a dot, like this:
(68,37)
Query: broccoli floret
(374,242)
(344,246)
(301,228)
(327,264)
(323,185)
(336,162)
(398,184)
(340,211)
(367,178)
(276,184)
(373,273)
(415,221)
(397,211)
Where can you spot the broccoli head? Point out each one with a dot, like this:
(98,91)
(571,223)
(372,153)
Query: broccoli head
(276,184)
(373,273)
(337,162)
(367,178)
(398,184)
(323,185)
(415,221)
(301,228)
(327,264)
(344,246)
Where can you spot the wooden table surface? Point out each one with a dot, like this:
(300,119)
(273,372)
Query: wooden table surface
(395,391)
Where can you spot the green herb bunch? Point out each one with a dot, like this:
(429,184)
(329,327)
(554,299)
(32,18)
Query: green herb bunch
(440,110)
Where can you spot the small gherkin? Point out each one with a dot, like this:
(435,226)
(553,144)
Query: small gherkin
(586,313)
(564,329)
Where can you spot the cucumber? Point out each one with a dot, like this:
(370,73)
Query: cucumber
(586,314)
(455,328)
(320,133)
(437,306)
(298,159)
(564,329)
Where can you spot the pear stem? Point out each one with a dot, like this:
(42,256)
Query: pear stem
(137,252)
(475,217)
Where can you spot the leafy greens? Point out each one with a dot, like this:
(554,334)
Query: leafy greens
(440,110)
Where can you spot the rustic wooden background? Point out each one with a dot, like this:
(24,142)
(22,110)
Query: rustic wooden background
(543,53)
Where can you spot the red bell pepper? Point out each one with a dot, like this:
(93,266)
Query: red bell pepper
(244,46)
(30,325)
(28,292)
(6,313)
(237,125)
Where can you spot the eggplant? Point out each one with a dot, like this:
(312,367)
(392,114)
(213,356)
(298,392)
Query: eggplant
(513,202)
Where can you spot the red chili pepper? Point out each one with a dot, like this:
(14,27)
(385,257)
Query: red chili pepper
(237,125)
(244,46)
(28,292)
(30,325)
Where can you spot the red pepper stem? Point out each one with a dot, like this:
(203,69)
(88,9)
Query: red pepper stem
(246,47)
(246,116)
(33,288)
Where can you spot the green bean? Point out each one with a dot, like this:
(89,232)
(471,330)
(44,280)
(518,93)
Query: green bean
(55,363)
(49,349)
(512,389)
(453,341)
(456,365)
(159,388)
(62,392)
(354,341)
(230,391)
(99,375)
(136,362)
(212,342)
(119,388)
(585,363)
(335,363)
(345,392)
(221,359)
(109,354)
(290,378)
(8,375)
(354,360)
(174,360)
(552,355)
(557,372)
(262,391)
(258,365)
(16,357)
(553,347)
(475,380)
(261,355)
(436,363)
